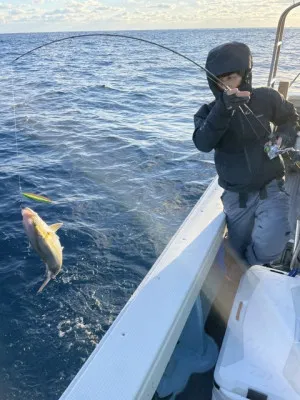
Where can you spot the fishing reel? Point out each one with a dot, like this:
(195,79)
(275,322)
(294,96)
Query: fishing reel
(291,155)
(274,150)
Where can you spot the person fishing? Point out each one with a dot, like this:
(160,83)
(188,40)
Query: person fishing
(250,171)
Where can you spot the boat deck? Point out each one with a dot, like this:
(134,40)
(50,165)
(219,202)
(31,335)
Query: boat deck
(292,181)
(292,184)
(200,385)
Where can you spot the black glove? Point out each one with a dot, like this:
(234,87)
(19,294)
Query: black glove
(288,137)
(295,158)
(292,161)
(233,102)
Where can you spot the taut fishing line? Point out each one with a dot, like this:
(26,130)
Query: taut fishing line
(15,130)
(210,76)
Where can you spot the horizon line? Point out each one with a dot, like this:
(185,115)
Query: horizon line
(144,30)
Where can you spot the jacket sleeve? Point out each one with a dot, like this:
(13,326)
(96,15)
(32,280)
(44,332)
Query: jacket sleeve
(210,126)
(285,116)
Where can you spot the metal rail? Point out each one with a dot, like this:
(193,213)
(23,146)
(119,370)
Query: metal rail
(278,43)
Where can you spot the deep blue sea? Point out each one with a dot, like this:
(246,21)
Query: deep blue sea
(104,128)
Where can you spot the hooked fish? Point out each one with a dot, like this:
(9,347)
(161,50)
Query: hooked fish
(45,242)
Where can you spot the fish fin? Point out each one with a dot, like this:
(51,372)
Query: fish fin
(43,234)
(47,280)
(62,248)
(55,227)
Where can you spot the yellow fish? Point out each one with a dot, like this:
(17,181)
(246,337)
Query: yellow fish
(45,242)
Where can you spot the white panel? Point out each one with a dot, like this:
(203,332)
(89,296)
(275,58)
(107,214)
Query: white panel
(260,350)
(130,359)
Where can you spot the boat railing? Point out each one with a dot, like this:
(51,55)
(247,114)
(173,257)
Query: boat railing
(278,43)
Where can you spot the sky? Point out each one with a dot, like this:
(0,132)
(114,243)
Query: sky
(98,15)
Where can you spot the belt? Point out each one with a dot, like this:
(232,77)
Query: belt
(263,194)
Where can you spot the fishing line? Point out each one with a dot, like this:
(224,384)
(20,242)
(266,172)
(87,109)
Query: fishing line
(210,76)
(294,80)
(15,131)
(15,128)
(247,119)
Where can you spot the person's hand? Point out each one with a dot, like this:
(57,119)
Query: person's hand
(233,98)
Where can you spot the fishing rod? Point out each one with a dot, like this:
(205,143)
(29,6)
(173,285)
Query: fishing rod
(210,76)
(213,77)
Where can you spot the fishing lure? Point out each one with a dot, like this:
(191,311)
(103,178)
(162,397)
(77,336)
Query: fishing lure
(37,197)
(210,76)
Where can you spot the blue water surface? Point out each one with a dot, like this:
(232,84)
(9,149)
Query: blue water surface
(104,127)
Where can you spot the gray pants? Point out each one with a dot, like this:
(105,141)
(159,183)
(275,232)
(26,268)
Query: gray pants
(259,232)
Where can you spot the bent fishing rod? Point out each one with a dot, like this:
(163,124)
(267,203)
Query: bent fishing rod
(210,75)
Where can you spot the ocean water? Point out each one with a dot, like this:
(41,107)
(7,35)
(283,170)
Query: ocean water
(104,128)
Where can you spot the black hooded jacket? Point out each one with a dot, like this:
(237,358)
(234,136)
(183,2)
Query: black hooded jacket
(238,140)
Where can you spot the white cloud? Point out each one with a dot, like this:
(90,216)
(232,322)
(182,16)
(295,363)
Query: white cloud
(73,10)
(147,13)
(162,6)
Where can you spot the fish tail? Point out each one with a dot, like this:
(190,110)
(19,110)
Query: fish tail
(47,280)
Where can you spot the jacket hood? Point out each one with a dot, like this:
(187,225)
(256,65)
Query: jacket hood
(230,57)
